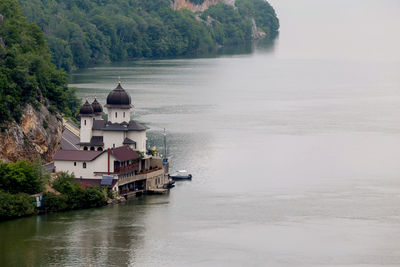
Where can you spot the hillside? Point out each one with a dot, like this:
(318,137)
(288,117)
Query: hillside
(85,32)
(33,93)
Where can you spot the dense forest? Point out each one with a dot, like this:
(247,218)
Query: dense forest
(26,72)
(84,32)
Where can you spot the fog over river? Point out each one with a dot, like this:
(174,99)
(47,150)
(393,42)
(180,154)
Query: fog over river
(294,148)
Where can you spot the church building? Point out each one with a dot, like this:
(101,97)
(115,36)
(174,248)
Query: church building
(112,151)
(98,134)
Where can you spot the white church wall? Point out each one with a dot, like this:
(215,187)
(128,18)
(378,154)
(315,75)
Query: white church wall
(97,133)
(140,138)
(86,129)
(98,117)
(117,115)
(113,139)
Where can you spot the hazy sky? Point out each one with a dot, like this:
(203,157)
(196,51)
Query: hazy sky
(351,29)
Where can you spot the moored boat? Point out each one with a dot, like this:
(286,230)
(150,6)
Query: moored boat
(181,175)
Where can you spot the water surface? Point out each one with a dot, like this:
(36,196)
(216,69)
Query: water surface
(294,148)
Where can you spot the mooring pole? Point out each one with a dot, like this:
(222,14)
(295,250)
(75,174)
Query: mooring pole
(165,144)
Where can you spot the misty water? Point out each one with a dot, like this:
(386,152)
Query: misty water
(294,148)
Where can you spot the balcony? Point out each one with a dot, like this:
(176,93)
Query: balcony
(131,167)
(126,179)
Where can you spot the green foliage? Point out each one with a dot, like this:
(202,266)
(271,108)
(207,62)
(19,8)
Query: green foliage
(197,2)
(73,195)
(22,177)
(26,72)
(85,32)
(228,27)
(262,12)
(140,153)
(15,205)
(53,202)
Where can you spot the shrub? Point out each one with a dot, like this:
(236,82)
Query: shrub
(53,202)
(73,195)
(22,177)
(15,205)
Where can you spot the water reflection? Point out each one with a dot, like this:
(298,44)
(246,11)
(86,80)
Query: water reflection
(110,235)
(294,151)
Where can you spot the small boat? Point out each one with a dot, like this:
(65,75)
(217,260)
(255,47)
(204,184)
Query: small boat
(181,175)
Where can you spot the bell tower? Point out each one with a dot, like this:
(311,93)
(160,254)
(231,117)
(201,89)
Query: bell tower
(86,113)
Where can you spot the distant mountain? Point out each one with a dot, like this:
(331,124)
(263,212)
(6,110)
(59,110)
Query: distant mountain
(84,32)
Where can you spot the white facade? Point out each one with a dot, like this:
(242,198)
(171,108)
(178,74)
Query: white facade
(140,138)
(113,139)
(97,117)
(86,169)
(86,129)
(119,115)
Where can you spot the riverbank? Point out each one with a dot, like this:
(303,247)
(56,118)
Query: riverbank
(26,189)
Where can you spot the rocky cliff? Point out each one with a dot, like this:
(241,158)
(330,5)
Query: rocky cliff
(179,4)
(38,134)
(257,33)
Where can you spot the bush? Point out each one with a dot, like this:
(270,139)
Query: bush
(65,183)
(15,205)
(22,177)
(73,195)
(53,202)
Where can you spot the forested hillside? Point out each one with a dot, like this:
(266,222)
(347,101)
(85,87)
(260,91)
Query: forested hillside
(84,32)
(26,73)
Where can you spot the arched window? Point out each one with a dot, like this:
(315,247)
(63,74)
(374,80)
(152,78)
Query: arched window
(84,122)
(85,148)
(100,149)
(84,165)
(92,148)
(116,114)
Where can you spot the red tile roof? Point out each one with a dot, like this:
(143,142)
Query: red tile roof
(124,153)
(93,182)
(77,155)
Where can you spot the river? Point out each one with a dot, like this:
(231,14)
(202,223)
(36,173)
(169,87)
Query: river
(294,147)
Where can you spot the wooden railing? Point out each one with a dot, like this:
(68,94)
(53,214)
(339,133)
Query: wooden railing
(131,167)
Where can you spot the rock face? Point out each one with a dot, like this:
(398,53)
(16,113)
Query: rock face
(38,134)
(179,4)
(256,32)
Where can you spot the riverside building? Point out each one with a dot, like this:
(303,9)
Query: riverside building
(113,152)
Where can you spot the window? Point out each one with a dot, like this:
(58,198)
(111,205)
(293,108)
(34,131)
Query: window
(124,114)
(116,114)
(92,148)
(113,145)
(75,163)
(100,149)
(85,148)
(84,122)
(84,165)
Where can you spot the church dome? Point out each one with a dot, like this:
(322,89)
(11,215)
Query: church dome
(86,109)
(119,97)
(97,108)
